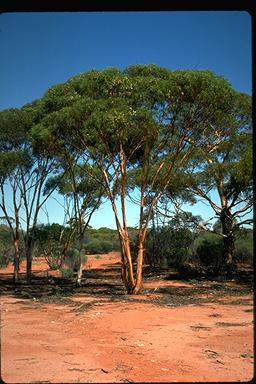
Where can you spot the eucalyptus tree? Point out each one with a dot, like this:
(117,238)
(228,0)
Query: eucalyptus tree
(12,159)
(25,168)
(144,121)
(83,195)
(222,176)
(78,180)
(44,164)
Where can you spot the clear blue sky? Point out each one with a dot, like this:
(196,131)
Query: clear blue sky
(42,49)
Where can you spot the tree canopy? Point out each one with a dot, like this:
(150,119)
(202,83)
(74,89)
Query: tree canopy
(149,130)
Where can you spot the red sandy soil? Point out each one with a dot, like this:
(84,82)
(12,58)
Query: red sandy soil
(125,341)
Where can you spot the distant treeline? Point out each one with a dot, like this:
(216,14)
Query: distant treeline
(165,246)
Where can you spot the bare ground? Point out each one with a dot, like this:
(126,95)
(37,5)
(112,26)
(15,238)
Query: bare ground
(174,331)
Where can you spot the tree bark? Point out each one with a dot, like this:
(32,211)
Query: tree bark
(127,267)
(228,240)
(132,284)
(80,258)
(16,261)
(29,250)
(64,253)
(140,255)
(80,271)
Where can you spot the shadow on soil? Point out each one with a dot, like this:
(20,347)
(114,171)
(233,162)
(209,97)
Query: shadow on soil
(105,285)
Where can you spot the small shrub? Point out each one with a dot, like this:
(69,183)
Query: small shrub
(106,246)
(243,255)
(7,247)
(67,273)
(53,255)
(54,266)
(72,259)
(6,254)
(93,247)
(210,252)
(166,246)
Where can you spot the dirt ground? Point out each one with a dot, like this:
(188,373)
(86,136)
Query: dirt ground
(174,331)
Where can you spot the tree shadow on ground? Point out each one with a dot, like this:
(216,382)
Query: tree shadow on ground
(106,284)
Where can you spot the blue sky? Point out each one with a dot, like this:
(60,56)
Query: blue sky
(42,49)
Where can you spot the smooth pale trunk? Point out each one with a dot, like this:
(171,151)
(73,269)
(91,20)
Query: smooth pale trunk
(80,258)
(132,284)
(138,284)
(64,252)
(79,275)
(80,271)
(16,261)
(127,268)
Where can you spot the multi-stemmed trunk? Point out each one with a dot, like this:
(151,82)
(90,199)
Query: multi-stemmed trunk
(127,267)
(131,280)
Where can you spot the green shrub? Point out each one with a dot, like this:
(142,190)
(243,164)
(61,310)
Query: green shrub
(108,239)
(72,259)
(67,272)
(7,248)
(96,246)
(53,266)
(210,252)
(243,254)
(244,246)
(49,241)
(106,246)
(6,254)
(167,246)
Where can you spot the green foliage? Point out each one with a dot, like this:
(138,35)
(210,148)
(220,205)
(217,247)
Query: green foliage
(59,96)
(140,111)
(210,252)
(145,128)
(174,247)
(243,254)
(67,273)
(244,246)
(166,245)
(13,143)
(150,70)
(49,242)
(208,248)
(102,240)
(96,246)
(12,129)
(6,246)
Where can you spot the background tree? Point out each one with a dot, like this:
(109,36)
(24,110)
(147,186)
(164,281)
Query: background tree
(25,169)
(49,242)
(225,166)
(77,180)
(13,159)
(83,195)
